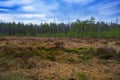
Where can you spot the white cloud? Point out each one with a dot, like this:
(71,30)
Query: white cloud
(105,9)
(40,7)
(36,11)
(1,9)
(28,8)
(29,16)
(10,3)
(78,1)
(30,11)
(26,18)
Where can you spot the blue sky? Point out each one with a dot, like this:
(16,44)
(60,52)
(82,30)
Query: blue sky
(36,11)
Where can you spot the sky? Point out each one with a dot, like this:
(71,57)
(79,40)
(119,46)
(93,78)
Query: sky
(37,11)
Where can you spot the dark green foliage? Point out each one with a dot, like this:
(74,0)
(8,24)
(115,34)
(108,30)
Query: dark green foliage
(80,29)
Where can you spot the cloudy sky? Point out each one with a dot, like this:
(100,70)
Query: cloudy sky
(36,11)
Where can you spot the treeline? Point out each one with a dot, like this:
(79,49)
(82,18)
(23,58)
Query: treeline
(82,29)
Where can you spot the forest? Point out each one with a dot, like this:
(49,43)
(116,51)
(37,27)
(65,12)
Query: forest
(81,29)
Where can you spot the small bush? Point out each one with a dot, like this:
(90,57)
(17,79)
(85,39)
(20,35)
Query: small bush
(51,58)
(2,39)
(88,56)
(58,45)
(118,56)
(74,50)
(117,42)
(71,59)
(3,64)
(105,53)
(9,76)
(11,53)
(85,57)
(81,76)
(105,56)
(81,57)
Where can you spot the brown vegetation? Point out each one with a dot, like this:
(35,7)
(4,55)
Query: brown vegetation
(47,58)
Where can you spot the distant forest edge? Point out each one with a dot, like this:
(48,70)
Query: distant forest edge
(81,29)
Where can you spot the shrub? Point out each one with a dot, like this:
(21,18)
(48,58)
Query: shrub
(117,42)
(81,76)
(71,59)
(11,53)
(51,58)
(58,45)
(73,50)
(9,76)
(88,56)
(105,53)
(2,39)
(105,56)
(85,57)
(81,57)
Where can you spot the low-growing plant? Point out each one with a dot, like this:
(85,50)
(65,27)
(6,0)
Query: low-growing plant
(105,53)
(118,56)
(105,56)
(10,76)
(71,59)
(2,39)
(3,64)
(58,45)
(83,57)
(80,76)
(117,42)
(88,56)
(11,53)
(73,50)
(51,58)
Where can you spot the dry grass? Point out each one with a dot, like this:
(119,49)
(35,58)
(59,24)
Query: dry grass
(60,58)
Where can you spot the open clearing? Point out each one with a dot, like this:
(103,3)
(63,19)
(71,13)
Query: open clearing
(63,58)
